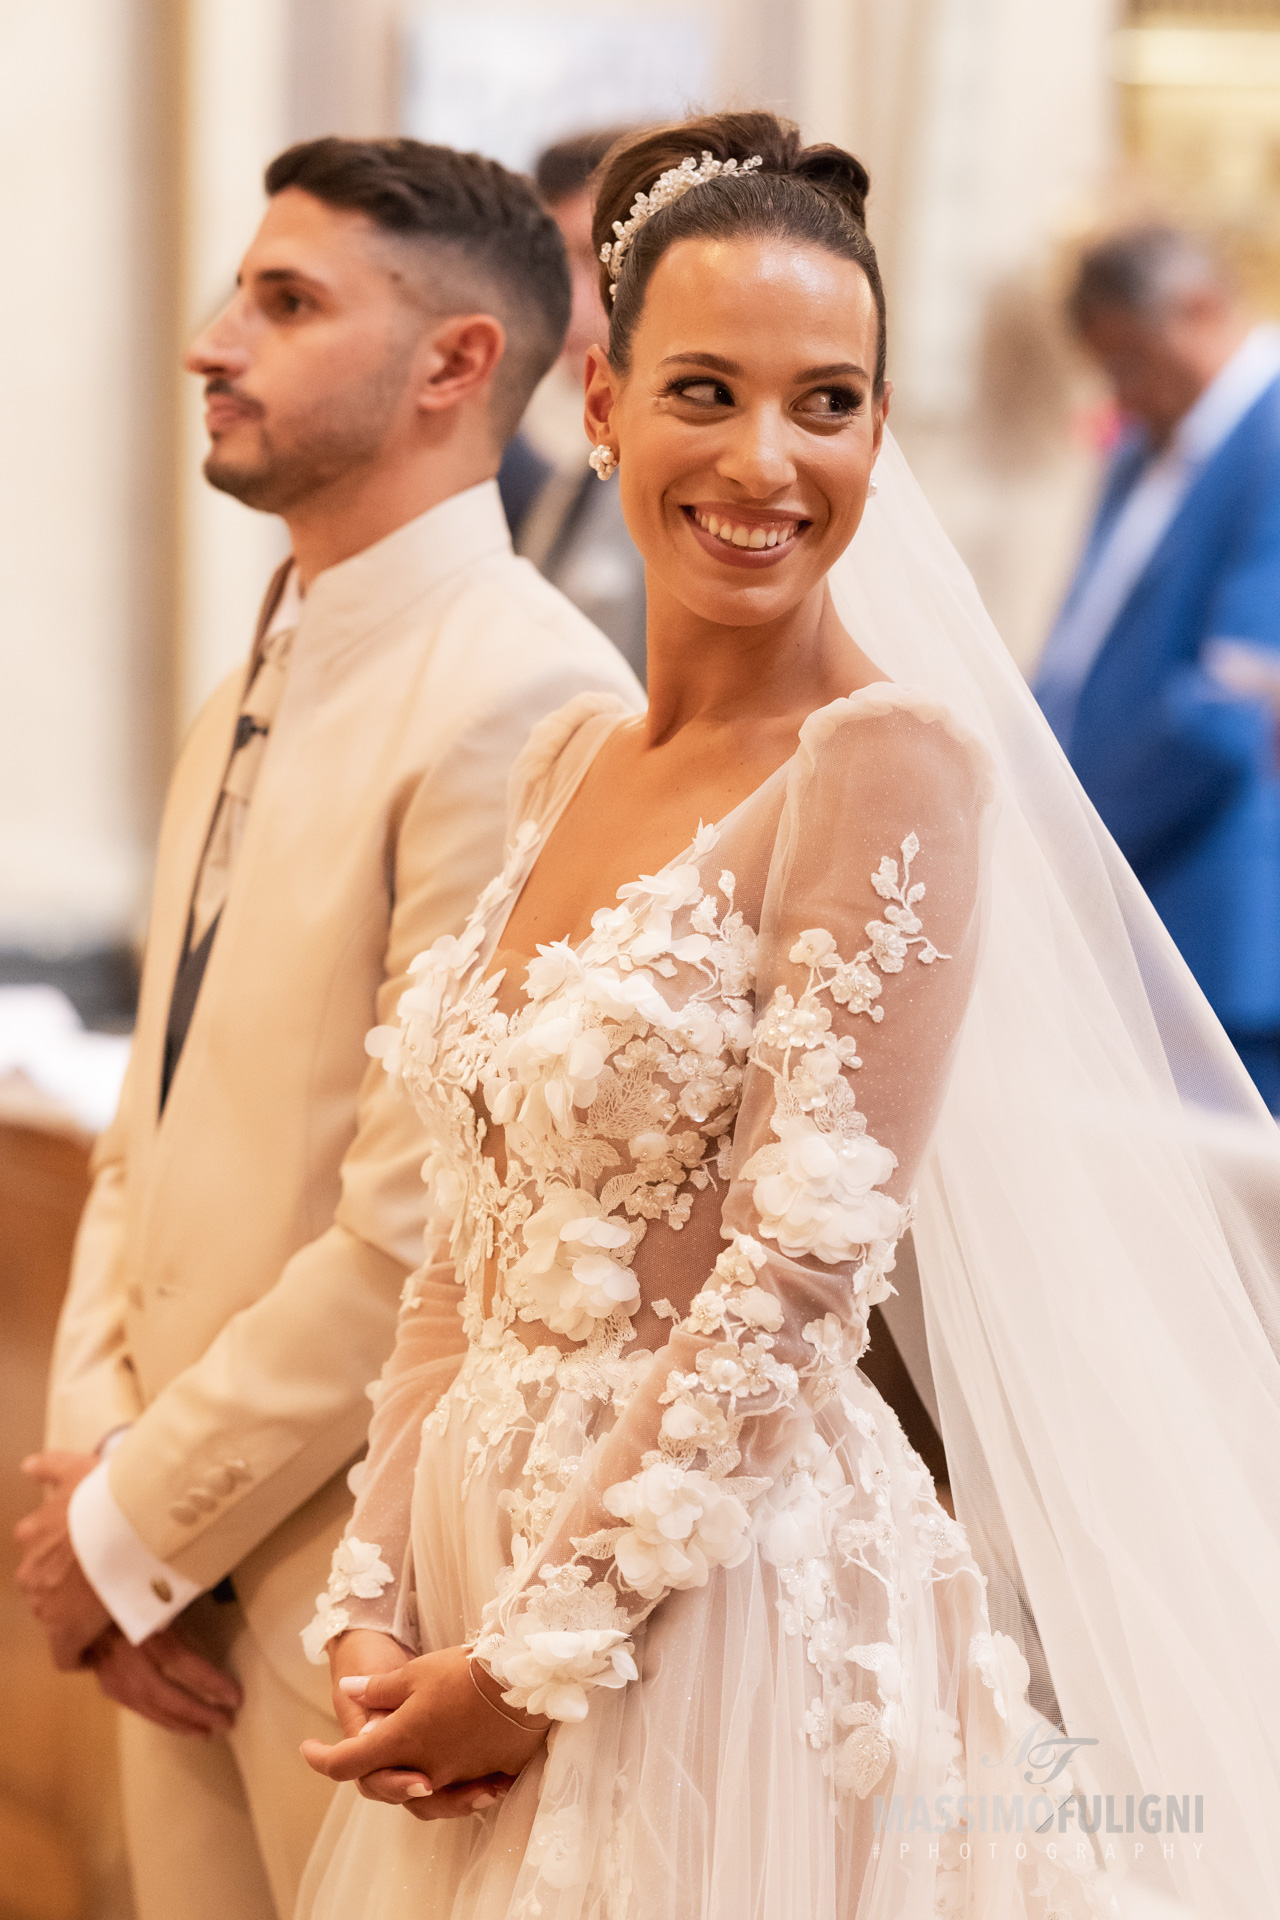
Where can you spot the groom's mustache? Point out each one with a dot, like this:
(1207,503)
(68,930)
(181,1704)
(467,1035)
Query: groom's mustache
(227,389)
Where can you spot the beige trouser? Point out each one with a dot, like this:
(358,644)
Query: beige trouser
(220,1829)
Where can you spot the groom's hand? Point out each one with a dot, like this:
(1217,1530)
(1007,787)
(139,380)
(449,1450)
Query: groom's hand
(164,1680)
(49,1575)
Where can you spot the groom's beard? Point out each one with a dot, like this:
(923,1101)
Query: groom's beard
(276,463)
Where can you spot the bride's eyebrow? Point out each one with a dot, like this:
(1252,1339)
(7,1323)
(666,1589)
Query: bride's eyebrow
(836,368)
(710,360)
(715,363)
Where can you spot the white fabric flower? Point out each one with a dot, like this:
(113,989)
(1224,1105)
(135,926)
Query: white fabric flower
(698,1027)
(863,1755)
(447,955)
(697,1418)
(547,1670)
(722,1370)
(855,985)
(813,947)
(827,1336)
(556,969)
(359,1569)
(735,956)
(328,1623)
(817,1192)
(889,948)
(813,1079)
(559,1056)
(673,888)
(633,997)
(680,1524)
(1000,1662)
(741,1261)
(759,1308)
(567,1274)
(383,1043)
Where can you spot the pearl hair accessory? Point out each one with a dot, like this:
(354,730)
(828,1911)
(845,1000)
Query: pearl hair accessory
(669,186)
(603,460)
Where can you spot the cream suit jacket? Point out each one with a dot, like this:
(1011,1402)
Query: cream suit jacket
(239,1263)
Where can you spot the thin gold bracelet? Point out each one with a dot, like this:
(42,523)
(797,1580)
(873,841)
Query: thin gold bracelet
(508,1717)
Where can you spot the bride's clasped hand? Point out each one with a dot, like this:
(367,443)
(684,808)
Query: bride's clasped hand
(423,1733)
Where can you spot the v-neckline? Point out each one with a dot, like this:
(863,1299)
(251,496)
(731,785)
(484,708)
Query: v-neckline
(493,946)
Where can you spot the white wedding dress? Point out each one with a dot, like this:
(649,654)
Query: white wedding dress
(623,1441)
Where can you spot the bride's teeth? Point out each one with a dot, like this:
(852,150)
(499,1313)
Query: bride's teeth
(753,538)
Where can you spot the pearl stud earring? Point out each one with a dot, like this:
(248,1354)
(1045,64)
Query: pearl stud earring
(603,460)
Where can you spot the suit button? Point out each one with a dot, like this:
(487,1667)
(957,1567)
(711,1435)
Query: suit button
(162,1591)
(184,1513)
(201,1499)
(222,1480)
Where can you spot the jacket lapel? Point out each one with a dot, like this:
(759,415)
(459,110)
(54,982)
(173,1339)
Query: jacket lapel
(1193,511)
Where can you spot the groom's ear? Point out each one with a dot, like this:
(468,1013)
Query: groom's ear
(600,395)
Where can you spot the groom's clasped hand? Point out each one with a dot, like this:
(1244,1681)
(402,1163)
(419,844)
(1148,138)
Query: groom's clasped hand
(421,1733)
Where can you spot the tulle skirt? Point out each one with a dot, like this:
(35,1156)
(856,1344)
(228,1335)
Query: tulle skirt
(827,1731)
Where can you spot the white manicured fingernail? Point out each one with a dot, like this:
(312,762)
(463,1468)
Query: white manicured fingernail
(417,1791)
(353,1683)
(485,1800)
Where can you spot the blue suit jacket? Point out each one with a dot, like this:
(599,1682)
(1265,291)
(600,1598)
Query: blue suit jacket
(1185,776)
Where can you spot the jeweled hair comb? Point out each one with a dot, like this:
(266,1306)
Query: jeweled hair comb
(669,186)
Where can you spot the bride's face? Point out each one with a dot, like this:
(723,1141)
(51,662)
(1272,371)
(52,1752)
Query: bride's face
(746,425)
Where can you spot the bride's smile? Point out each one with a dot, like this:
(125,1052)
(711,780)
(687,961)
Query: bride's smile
(742,537)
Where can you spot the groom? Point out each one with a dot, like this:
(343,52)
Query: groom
(338,806)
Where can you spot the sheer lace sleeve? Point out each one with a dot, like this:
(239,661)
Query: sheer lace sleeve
(868,944)
(371,1580)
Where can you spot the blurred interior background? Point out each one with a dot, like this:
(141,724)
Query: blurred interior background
(133,133)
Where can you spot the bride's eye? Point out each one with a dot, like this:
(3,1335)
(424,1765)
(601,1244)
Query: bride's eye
(700,393)
(831,403)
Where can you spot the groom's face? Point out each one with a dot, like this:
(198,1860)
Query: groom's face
(308,371)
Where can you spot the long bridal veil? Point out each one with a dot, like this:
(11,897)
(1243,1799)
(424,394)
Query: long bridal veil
(1098,1233)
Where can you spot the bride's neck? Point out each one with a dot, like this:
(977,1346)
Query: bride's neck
(701,671)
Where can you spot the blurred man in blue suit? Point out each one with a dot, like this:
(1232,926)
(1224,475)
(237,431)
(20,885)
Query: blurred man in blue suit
(1161,677)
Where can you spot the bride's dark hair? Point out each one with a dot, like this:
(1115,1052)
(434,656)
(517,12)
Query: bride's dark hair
(815,196)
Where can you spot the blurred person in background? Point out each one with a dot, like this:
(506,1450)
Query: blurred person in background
(1159,676)
(258,1202)
(560,517)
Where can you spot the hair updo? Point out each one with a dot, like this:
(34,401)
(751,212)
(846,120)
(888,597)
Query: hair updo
(814,196)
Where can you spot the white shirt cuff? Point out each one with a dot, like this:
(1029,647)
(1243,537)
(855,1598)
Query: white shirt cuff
(142,1594)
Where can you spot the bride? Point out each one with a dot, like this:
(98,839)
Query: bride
(647,1610)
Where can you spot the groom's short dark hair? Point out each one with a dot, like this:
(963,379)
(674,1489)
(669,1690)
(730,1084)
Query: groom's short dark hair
(498,248)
